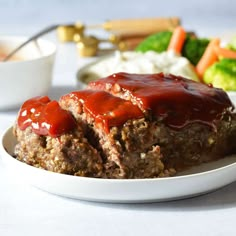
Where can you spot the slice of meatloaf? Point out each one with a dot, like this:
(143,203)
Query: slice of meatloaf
(49,138)
(118,129)
(191,122)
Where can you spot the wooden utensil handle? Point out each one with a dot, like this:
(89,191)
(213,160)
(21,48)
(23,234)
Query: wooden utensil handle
(126,35)
(138,25)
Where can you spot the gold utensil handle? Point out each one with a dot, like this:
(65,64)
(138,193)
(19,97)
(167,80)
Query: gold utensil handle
(66,33)
(146,24)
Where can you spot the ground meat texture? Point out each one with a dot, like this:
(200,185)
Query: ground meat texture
(128,151)
(136,139)
(191,122)
(68,154)
(196,143)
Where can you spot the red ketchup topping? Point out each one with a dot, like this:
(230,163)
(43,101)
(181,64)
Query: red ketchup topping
(45,117)
(175,100)
(106,109)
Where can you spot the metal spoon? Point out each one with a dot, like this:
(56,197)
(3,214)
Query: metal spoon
(34,37)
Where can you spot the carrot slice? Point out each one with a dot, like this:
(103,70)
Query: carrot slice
(177,39)
(208,58)
(224,52)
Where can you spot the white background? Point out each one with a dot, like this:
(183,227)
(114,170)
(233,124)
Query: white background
(25,210)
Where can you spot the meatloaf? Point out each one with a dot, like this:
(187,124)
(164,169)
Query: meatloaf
(119,131)
(49,138)
(128,126)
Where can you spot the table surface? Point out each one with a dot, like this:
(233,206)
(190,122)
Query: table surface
(25,210)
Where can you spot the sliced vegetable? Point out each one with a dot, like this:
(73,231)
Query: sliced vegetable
(208,58)
(177,40)
(224,52)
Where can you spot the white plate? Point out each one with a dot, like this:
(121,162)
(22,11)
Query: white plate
(204,178)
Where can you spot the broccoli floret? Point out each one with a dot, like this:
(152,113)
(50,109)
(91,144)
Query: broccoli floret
(232,44)
(194,48)
(156,42)
(222,74)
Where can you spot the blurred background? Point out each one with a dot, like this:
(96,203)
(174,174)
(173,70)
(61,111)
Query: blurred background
(204,16)
(26,17)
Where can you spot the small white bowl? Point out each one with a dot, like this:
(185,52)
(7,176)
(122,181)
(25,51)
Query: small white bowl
(29,75)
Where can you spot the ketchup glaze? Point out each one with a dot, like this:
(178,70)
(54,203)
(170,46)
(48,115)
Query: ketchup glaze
(113,100)
(45,117)
(175,100)
(106,109)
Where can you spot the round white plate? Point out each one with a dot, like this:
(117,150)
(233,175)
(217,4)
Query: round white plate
(199,180)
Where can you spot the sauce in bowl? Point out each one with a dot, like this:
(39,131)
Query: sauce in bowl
(13,58)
